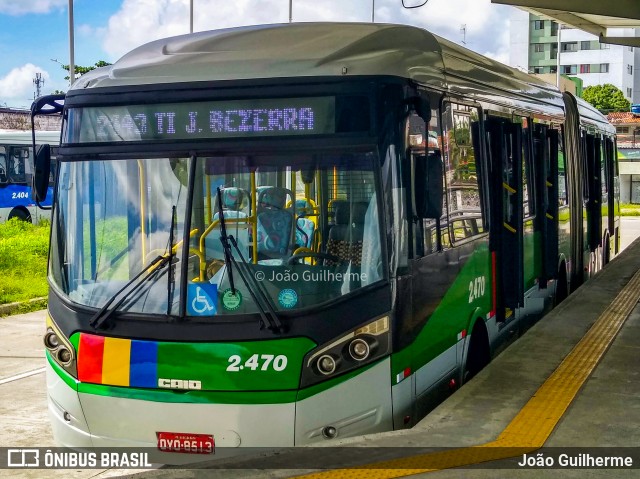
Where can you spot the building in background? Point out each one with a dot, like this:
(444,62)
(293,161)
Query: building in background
(19,119)
(628,132)
(534,48)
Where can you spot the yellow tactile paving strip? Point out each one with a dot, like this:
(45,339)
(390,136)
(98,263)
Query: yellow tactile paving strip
(535,422)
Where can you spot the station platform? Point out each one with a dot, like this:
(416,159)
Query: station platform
(568,387)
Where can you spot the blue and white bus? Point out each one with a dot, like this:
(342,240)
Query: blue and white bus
(16,168)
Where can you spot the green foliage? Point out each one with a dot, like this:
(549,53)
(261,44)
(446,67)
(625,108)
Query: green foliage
(627,209)
(23,260)
(112,239)
(79,70)
(606,97)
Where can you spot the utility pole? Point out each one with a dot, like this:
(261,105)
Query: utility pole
(72,67)
(38,82)
(373,11)
(190,16)
(558,65)
(463,30)
(290,11)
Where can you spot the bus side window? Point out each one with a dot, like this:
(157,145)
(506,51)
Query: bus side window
(463,182)
(16,167)
(563,199)
(3,165)
(417,147)
(426,160)
(528,186)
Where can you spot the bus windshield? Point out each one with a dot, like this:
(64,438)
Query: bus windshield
(306,224)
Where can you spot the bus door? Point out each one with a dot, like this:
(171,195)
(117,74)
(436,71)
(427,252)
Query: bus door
(610,179)
(504,146)
(545,154)
(594,202)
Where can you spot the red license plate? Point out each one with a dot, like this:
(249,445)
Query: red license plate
(186,443)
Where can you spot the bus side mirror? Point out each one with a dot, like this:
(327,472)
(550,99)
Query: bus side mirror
(42,167)
(428,185)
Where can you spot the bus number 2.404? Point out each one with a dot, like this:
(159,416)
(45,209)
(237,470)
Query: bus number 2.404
(257,361)
(19,195)
(476,288)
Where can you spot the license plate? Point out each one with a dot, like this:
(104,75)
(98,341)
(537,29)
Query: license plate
(186,443)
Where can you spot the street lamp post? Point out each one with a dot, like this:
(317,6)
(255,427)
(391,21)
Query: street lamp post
(72,67)
(558,64)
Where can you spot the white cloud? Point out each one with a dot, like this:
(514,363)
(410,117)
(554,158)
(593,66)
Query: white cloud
(141,21)
(501,53)
(85,30)
(22,7)
(487,25)
(16,88)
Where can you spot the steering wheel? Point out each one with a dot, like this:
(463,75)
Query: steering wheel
(306,253)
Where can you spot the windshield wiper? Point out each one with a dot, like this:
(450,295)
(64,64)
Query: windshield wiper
(102,316)
(270,320)
(106,312)
(170,274)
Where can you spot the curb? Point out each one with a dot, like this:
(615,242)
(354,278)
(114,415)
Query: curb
(9,308)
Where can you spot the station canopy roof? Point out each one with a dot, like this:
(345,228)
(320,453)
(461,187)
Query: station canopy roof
(593,16)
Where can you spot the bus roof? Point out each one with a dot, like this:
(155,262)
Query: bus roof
(23,137)
(316,50)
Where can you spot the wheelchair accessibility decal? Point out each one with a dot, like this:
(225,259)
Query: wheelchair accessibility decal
(202,299)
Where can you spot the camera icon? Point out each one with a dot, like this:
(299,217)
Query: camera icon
(23,458)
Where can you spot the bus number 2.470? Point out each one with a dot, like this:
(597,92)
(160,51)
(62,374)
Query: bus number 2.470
(262,361)
(476,288)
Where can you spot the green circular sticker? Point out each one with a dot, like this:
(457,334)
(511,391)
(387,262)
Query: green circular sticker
(288,298)
(231,301)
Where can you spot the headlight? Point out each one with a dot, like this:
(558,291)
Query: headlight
(359,349)
(51,341)
(351,351)
(61,350)
(326,364)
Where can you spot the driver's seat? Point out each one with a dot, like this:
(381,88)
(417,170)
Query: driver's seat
(345,236)
(275,222)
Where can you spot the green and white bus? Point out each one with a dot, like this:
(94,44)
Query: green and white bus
(281,235)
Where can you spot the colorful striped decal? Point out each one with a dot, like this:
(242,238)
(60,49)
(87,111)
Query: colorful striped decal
(90,352)
(117,362)
(141,364)
(144,364)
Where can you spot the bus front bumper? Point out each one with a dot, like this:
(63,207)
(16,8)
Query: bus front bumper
(356,406)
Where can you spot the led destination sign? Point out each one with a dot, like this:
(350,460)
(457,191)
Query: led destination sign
(211,119)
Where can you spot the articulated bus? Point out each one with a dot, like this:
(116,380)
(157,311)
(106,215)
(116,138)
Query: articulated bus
(16,170)
(287,234)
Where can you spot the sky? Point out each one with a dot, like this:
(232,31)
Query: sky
(34,34)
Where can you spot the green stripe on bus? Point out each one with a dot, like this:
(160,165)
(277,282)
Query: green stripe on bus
(197,397)
(65,376)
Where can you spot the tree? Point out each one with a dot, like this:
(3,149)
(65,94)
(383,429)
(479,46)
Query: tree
(606,97)
(80,70)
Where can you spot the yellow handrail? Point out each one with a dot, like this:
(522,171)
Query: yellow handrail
(203,264)
(143,209)
(254,214)
(208,186)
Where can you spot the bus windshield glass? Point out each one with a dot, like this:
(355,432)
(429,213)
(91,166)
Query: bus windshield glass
(111,220)
(307,226)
